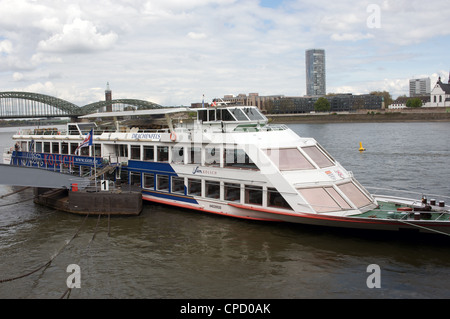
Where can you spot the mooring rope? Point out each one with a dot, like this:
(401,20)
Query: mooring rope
(15,192)
(18,202)
(426,228)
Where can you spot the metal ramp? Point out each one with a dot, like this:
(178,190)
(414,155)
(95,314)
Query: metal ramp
(37,177)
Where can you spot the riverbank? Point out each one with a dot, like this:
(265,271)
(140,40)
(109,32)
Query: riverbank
(358,118)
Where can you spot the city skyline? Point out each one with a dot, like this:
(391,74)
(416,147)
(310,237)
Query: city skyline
(173,52)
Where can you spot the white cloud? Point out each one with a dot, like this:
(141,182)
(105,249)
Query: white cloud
(5,47)
(80,36)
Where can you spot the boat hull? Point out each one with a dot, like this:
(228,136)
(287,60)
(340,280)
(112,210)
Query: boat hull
(249,212)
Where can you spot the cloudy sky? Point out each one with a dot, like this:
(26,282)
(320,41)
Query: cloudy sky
(173,51)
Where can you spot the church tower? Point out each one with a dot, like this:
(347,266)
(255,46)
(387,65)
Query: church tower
(108,97)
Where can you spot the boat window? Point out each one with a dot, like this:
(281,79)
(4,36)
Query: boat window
(73,147)
(23,146)
(275,199)
(226,115)
(149,181)
(324,199)
(84,151)
(73,130)
(178,185)
(238,158)
(162,154)
(212,115)
(135,179)
(232,192)
(64,148)
(317,156)
(253,114)
(55,148)
(98,150)
(212,189)
(162,183)
(46,147)
(149,153)
(253,195)
(238,114)
(195,155)
(38,147)
(355,194)
(212,156)
(178,154)
(289,159)
(194,187)
(122,150)
(135,152)
(202,115)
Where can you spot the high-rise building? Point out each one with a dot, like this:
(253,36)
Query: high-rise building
(419,87)
(315,72)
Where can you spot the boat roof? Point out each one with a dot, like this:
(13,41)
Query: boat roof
(138,112)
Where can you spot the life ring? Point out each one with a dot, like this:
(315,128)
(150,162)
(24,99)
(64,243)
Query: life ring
(173,136)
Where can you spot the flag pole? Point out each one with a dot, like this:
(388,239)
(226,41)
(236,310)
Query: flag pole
(95,162)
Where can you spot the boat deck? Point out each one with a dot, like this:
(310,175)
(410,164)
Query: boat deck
(389,210)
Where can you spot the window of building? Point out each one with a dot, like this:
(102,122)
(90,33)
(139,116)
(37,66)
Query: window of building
(194,187)
(275,199)
(253,195)
(317,156)
(162,183)
(149,153)
(178,185)
(135,152)
(212,189)
(149,181)
(289,159)
(135,178)
(232,192)
(162,154)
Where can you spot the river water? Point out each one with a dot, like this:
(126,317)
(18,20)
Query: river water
(172,253)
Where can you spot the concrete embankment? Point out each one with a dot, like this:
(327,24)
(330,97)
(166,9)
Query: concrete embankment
(358,117)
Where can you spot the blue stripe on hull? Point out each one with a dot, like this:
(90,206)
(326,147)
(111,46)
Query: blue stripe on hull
(179,198)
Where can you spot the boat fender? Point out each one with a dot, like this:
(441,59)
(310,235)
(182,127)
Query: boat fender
(173,136)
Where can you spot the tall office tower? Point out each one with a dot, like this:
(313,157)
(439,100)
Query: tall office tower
(315,72)
(419,87)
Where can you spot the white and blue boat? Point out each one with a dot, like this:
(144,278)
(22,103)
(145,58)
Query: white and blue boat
(228,161)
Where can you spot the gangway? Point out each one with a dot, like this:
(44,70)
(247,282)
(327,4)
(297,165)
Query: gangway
(36,177)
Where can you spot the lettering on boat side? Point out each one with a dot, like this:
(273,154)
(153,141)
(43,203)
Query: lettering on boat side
(374,280)
(234,308)
(198,170)
(148,136)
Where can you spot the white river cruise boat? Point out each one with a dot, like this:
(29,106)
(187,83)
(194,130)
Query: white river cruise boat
(224,160)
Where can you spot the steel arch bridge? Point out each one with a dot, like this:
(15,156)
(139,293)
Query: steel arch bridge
(15,105)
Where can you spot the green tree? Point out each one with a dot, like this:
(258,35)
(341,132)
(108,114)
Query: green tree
(414,102)
(322,105)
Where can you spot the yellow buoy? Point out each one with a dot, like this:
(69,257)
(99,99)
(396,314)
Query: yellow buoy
(361,148)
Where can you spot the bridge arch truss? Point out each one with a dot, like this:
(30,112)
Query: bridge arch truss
(14,105)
